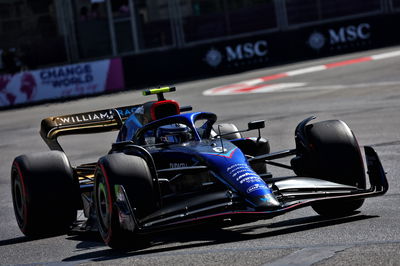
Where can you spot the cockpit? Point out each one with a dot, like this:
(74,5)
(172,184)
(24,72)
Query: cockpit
(176,129)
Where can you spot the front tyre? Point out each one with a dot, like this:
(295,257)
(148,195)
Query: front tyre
(44,192)
(333,155)
(130,177)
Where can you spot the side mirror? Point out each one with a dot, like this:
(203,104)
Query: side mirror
(186,108)
(256,124)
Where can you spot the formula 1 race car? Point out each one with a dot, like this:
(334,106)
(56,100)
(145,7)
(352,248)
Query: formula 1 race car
(171,167)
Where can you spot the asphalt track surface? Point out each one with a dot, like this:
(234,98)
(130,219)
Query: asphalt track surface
(365,95)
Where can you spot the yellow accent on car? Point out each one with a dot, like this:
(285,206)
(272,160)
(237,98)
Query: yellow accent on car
(159,90)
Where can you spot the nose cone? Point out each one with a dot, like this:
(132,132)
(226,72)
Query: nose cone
(231,164)
(261,196)
(267,201)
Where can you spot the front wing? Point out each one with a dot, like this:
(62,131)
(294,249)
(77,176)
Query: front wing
(229,206)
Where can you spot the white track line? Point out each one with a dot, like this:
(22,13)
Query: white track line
(255,85)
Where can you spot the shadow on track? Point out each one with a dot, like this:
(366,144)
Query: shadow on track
(17,240)
(212,236)
(25,239)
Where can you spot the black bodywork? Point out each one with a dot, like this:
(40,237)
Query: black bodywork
(193,181)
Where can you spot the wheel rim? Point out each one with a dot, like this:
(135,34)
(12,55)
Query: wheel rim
(19,199)
(103,207)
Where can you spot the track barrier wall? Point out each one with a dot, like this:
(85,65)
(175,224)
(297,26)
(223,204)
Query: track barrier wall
(262,50)
(198,61)
(61,82)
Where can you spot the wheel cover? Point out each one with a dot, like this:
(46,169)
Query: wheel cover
(103,205)
(19,199)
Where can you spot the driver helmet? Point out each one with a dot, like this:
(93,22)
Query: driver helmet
(173,134)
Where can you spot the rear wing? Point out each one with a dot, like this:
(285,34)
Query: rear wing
(83,123)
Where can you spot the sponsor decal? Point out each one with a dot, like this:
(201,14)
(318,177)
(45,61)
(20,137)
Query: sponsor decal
(243,174)
(125,112)
(177,165)
(26,88)
(341,38)
(350,33)
(256,187)
(6,97)
(237,55)
(59,82)
(246,51)
(219,149)
(222,152)
(236,167)
(213,57)
(251,179)
(140,110)
(316,40)
(235,173)
(92,117)
(67,75)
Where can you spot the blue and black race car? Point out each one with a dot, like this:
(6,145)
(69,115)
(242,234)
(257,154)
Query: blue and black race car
(171,167)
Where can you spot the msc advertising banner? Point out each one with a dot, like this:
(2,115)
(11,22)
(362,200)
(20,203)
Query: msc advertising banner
(61,82)
(261,50)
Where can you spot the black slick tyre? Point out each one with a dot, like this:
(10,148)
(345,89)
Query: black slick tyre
(229,131)
(133,174)
(44,192)
(334,156)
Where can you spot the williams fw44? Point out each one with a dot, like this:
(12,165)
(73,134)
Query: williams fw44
(172,167)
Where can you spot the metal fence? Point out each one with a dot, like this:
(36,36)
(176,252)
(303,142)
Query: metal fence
(103,28)
(396,4)
(300,12)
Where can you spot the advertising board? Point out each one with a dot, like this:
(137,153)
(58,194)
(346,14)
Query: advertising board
(61,82)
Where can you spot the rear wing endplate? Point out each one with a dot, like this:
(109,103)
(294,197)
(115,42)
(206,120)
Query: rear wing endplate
(83,123)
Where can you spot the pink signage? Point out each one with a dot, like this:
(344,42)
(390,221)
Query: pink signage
(61,82)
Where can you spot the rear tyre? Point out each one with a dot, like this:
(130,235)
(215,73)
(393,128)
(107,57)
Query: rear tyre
(45,193)
(228,129)
(133,174)
(334,155)
(249,146)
